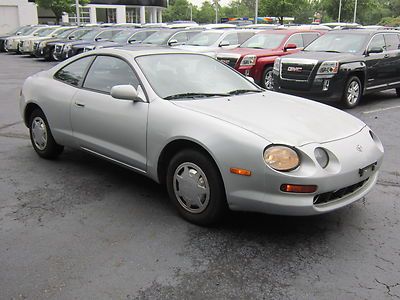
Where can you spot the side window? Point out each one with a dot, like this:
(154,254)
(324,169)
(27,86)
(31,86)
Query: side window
(139,36)
(105,35)
(377,42)
(106,72)
(392,41)
(232,38)
(309,37)
(296,39)
(181,37)
(244,36)
(74,72)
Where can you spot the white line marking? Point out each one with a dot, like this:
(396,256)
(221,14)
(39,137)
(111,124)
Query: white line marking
(380,109)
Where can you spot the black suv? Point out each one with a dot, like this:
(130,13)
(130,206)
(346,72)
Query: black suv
(342,65)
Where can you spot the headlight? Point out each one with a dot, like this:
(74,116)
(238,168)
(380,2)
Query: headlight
(281,158)
(277,64)
(328,67)
(248,60)
(322,157)
(42,45)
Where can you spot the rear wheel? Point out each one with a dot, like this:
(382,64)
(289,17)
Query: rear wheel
(352,92)
(41,138)
(267,80)
(195,187)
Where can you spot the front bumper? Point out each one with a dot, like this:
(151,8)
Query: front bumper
(342,180)
(324,89)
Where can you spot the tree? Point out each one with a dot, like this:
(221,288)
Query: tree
(60,6)
(281,8)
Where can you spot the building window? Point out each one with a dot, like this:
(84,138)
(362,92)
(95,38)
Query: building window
(132,15)
(84,16)
(106,15)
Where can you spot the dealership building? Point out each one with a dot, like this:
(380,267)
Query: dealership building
(14,13)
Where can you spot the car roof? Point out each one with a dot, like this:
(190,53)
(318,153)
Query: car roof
(288,31)
(140,51)
(366,31)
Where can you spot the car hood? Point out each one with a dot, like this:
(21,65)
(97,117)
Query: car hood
(257,52)
(322,56)
(279,118)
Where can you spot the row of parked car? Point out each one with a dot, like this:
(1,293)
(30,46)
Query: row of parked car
(319,64)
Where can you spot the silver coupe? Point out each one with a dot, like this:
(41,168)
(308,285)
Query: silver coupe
(213,137)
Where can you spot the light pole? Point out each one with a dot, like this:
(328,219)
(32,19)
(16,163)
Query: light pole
(216,11)
(355,12)
(256,14)
(340,10)
(78,17)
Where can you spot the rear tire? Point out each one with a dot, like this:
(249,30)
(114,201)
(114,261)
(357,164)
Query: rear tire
(41,138)
(352,92)
(196,188)
(267,80)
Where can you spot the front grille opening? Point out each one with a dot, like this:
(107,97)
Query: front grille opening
(335,195)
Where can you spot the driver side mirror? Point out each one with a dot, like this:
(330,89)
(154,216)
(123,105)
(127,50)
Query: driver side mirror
(375,50)
(172,42)
(132,41)
(71,37)
(290,46)
(125,92)
(224,44)
(35,34)
(18,33)
(98,39)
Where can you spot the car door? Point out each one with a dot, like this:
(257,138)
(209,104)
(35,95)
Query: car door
(393,57)
(376,65)
(109,127)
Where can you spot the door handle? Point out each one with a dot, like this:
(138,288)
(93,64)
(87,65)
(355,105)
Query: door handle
(79,104)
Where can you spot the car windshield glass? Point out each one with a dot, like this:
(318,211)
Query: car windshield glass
(30,31)
(77,34)
(45,32)
(90,35)
(158,38)
(192,76)
(338,42)
(63,33)
(204,39)
(264,41)
(122,37)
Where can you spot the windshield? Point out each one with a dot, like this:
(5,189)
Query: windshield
(158,38)
(338,42)
(90,35)
(77,34)
(191,76)
(122,37)
(62,33)
(204,39)
(30,31)
(45,32)
(264,41)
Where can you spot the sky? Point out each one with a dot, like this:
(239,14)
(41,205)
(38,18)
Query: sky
(199,2)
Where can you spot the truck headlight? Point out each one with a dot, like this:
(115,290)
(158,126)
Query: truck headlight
(281,158)
(328,67)
(248,60)
(67,47)
(277,64)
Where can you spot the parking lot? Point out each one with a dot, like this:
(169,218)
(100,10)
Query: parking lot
(82,228)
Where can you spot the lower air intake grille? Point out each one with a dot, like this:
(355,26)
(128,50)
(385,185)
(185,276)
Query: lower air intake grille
(332,196)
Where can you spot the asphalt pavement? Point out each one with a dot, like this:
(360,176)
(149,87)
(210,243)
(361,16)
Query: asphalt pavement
(82,228)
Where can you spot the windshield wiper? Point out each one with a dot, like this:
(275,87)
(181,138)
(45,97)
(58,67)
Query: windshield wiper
(194,95)
(332,51)
(238,92)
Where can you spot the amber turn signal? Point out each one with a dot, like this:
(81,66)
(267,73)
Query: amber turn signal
(242,172)
(301,189)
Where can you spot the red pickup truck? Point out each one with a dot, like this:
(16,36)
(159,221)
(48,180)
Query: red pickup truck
(256,56)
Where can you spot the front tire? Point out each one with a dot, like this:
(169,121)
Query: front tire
(196,188)
(352,92)
(41,138)
(267,80)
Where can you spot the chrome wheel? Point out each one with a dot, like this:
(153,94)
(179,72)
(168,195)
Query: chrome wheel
(269,80)
(353,92)
(191,187)
(39,133)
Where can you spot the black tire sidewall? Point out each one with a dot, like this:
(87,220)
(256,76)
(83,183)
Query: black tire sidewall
(268,69)
(52,149)
(217,205)
(345,102)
